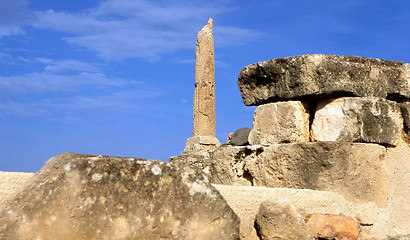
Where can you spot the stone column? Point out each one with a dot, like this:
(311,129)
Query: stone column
(204,97)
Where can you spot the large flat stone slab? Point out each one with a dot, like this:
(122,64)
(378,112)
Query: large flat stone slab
(354,170)
(318,75)
(78,196)
(369,120)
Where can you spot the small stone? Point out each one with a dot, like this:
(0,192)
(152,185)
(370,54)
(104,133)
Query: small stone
(328,226)
(280,220)
(369,120)
(318,76)
(239,137)
(282,122)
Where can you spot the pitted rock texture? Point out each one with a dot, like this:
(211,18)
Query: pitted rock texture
(281,122)
(370,120)
(280,220)
(329,226)
(77,196)
(10,182)
(318,75)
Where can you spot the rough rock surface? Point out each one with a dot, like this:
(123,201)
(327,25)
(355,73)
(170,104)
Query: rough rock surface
(318,75)
(329,226)
(354,170)
(280,220)
(77,196)
(371,120)
(10,182)
(281,122)
(239,137)
(405,109)
(204,95)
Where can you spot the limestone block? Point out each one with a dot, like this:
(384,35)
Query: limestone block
(371,120)
(239,137)
(78,196)
(329,226)
(280,220)
(280,122)
(318,75)
(10,182)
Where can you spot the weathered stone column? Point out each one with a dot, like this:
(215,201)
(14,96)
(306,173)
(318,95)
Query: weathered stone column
(204,97)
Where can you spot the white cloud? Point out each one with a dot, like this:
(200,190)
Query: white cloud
(119,29)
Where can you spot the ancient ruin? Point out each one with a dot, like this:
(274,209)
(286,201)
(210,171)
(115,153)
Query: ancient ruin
(204,126)
(328,157)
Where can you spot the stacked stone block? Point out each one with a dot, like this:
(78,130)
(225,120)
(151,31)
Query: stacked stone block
(347,99)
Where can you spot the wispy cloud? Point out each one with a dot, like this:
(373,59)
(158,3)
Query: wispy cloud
(119,29)
(66,65)
(13,13)
(50,82)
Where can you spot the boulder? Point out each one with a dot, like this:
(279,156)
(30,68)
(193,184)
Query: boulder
(329,226)
(239,137)
(370,120)
(281,122)
(317,75)
(280,220)
(78,196)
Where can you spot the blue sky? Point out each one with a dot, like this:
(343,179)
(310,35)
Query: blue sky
(116,77)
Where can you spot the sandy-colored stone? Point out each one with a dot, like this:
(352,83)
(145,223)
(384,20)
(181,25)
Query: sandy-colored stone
(204,96)
(280,220)
(281,122)
(200,145)
(10,182)
(78,196)
(329,226)
(371,120)
(398,168)
(320,76)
